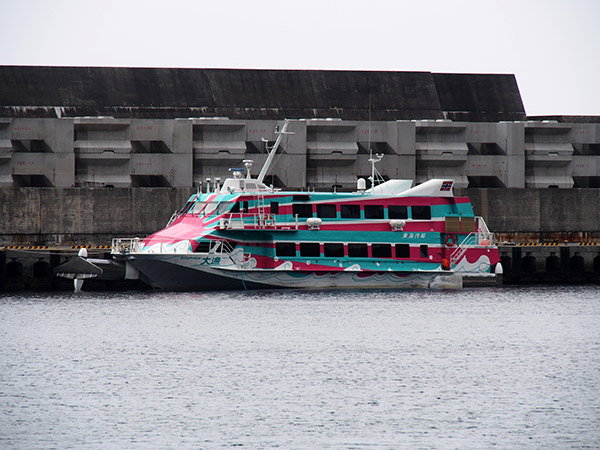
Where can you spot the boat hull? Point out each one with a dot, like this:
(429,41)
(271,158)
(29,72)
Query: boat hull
(196,273)
(183,273)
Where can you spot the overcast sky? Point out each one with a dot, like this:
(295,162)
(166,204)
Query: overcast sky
(553,47)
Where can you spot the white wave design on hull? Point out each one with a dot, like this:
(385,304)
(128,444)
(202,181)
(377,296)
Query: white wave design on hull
(347,279)
(481,266)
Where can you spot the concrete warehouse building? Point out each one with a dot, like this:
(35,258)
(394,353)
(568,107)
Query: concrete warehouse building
(88,154)
(120,127)
(64,130)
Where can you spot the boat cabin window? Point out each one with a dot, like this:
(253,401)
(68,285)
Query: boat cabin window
(350,211)
(333,250)
(202,247)
(373,211)
(235,208)
(197,208)
(285,249)
(300,198)
(245,206)
(302,209)
(381,250)
(326,211)
(310,249)
(250,186)
(274,207)
(424,251)
(397,212)
(421,212)
(223,206)
(357,250)
(402,251)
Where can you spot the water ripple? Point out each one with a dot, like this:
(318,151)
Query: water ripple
(480,368)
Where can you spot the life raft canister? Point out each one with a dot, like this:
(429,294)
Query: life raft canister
(450,240)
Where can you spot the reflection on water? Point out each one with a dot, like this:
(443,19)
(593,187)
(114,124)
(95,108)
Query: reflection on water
(510,368)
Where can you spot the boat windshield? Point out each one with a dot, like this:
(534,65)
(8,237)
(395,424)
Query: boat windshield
(197,208)
(185,208)
(208,208)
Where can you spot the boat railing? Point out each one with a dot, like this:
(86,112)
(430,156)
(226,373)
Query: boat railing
(126,245)
(255,221)
(483,231)
(174,216)
(481,237)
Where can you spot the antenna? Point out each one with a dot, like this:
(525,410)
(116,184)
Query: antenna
(248,164)
(375,175)
(369,133)
(267,165)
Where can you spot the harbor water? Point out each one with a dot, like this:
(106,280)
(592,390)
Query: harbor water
(476,368)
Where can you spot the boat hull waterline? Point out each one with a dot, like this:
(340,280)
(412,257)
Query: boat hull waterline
(197,272)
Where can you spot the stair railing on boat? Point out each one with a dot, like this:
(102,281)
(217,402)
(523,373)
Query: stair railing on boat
(225,250)
(481,237)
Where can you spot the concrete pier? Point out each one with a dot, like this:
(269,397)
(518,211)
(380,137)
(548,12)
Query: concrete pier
(30,268)
(551,264)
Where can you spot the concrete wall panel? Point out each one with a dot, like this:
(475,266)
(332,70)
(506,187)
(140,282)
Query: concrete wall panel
(506,210)
(66,211)
(67,216)
(20,211)
(570,210)
(98,152)
(96,215)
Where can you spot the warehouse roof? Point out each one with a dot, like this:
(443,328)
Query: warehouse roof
(43,91)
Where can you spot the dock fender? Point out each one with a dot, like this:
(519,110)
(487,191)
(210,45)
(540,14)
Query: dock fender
(498,270)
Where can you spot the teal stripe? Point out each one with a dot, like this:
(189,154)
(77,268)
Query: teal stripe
(439,211)
(333,236)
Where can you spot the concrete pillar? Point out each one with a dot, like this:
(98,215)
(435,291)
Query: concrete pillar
(184,154)
(517,263)
(2,269)
(511,137)
(405,148)
(61,142)
(564,262)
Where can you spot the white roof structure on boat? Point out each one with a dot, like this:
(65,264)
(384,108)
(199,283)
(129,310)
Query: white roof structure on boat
(431,188)
(391,187)
(232,185)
